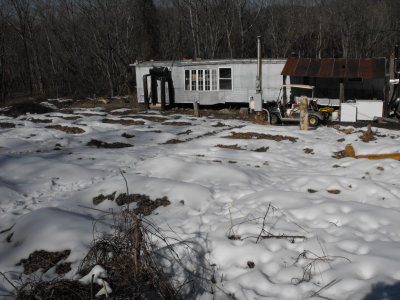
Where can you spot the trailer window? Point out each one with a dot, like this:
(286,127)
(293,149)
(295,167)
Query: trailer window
(225,79)
(201,80)
(194,80)
(187,80)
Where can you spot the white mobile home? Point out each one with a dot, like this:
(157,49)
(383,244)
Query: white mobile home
(208,81)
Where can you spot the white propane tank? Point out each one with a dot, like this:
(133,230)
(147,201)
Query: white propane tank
(335,115)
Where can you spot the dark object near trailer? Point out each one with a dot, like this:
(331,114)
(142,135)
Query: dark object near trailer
(158,74)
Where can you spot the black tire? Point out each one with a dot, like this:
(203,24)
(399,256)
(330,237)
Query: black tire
(274,119)
(313,121)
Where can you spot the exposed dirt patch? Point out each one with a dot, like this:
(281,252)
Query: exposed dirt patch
(42,259)
(67,129)
(380,168)
(150,118)
(40,120)
(219,124)
(69,118)
(101,144)
(31,107)
(127,136)
(100,198)
(251,135)
(7,125)
(368,135)
(91,115)
(156,131)
(121,113)
(173,141)
(340,140)
(177,123)
(234,147)
(218,161)
(185,132)
(123,122)
(262,149)
(308,151)
(145,206)
(333,191)
(340,154)
(311,191)
(232,162)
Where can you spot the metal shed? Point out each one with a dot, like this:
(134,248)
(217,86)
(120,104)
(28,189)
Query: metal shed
(334,79)
(215,81)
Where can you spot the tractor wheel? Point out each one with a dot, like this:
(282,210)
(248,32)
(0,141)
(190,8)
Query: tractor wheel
(274,119)
(313,121)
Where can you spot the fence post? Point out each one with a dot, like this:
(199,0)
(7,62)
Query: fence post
(196,109)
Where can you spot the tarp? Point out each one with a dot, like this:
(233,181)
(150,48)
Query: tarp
(335,68)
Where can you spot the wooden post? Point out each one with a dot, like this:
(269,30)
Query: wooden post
(196,109)
(341,92)
(304,124)
(163,93)
(284,97)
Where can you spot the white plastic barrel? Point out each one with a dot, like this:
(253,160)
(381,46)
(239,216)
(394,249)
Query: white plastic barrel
(335,115)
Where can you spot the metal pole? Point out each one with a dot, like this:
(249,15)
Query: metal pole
(259,63)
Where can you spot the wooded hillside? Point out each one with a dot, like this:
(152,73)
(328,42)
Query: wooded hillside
(51,48)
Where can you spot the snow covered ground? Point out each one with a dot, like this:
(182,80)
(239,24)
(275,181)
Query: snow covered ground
(348,210)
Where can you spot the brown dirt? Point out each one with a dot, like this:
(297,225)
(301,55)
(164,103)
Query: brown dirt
(91,115)
(250,135)
(311,191)
(127,136)
(333,191)
(185,132)
(122,113)
(145,205)
(42,259)
(100,198)
(40,120)
(234,147)
(177,123)
(340,154)
(69,118)
(7,125)
(341,140)
(308,151)
(173,141)
(67,129)
(262,149)
(150,118)
(219,124)
(31,107)
(123,122)
(101,144)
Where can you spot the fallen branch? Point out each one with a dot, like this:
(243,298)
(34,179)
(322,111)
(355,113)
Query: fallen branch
(329,284)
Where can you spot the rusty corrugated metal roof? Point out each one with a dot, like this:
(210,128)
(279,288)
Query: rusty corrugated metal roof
(336,68)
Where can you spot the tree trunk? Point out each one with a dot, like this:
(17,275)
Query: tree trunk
(304,125)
